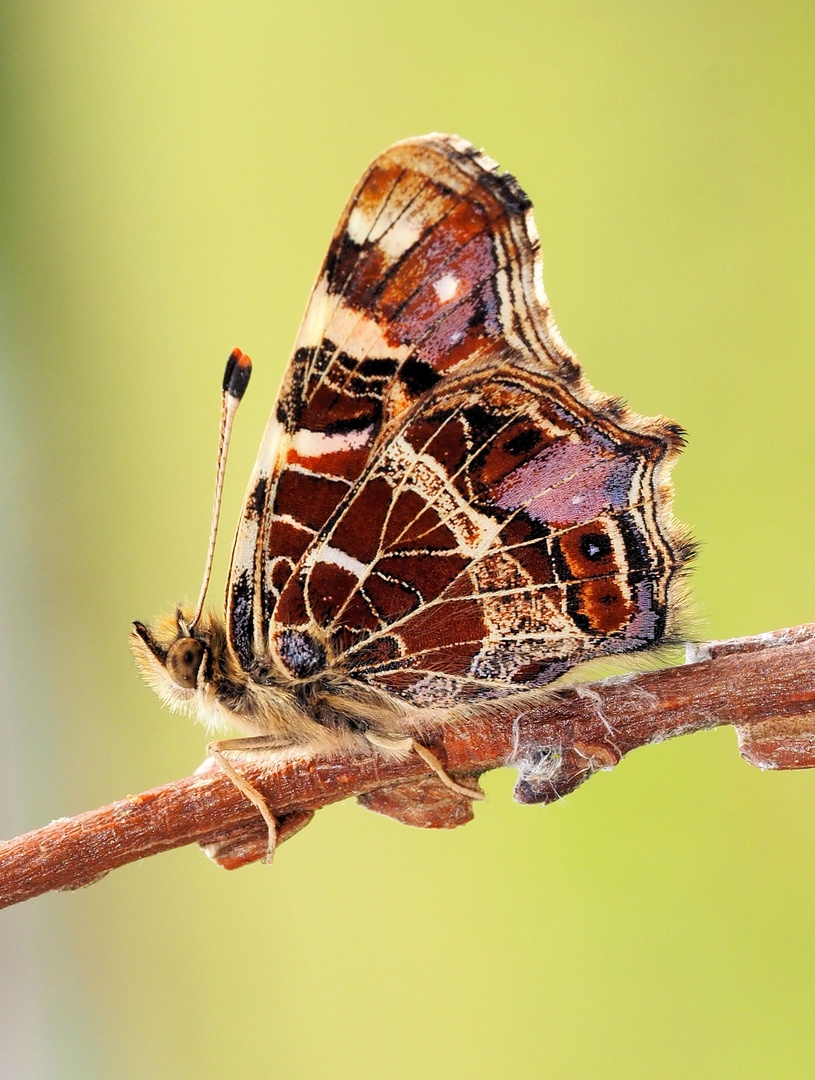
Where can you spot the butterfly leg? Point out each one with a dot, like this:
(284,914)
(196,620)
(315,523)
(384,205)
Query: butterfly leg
(387,742)
(261,742)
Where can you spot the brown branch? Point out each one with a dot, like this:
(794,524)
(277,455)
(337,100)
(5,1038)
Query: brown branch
(764,686)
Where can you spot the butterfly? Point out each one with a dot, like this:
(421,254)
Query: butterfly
(443,511)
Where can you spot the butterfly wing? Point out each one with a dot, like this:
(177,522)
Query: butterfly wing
(505,534)
(432,247)
(465,517)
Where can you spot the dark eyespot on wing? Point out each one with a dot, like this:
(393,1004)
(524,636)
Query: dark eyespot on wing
(595,546)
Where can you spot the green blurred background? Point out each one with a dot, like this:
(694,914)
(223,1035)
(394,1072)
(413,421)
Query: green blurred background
(170,177)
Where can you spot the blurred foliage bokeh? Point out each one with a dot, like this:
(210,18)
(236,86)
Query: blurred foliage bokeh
(170,175)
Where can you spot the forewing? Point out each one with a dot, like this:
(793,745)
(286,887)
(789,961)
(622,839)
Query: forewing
(432,266)
(507,532)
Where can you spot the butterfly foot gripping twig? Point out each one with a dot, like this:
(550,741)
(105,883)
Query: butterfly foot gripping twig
(429,758)
(385,742)
(216,752)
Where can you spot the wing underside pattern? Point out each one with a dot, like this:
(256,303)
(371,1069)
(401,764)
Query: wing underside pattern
(442,506)
(501,537)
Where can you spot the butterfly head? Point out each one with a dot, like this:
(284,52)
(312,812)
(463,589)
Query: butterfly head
(177,662)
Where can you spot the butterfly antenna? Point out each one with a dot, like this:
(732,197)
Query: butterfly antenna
(236,379)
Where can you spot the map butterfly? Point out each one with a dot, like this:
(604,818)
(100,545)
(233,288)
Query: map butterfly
(443,511)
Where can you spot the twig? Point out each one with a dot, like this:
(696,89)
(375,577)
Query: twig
(764,686)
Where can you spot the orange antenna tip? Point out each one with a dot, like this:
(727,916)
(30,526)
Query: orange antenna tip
(236,375)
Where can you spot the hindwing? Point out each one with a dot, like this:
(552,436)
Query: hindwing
(503,535)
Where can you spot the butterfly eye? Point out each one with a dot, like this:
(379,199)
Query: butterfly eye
(184,658)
